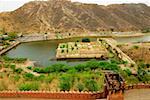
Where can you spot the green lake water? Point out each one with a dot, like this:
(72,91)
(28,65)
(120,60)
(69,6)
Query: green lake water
(44,52)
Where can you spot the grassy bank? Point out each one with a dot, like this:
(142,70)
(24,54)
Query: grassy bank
(87,76)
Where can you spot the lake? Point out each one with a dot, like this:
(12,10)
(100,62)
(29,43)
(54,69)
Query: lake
(44,52)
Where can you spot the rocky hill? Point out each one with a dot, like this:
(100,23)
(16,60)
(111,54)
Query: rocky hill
(62,15)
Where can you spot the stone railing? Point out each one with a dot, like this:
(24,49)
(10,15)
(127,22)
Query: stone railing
(137,86)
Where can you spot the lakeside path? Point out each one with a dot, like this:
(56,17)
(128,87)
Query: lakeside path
(52,36)
(128,35)
(137,94)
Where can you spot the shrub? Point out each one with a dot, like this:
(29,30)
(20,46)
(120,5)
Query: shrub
(93,64)
(72,70)
(16,77)
(135,47)
(56,68)
(6,65)
(29,67)
(37,69)
(103,64)
(132,80)
(18,60)
(13,67)
(113,67)
(12,35)
(29,86)
(114,61)
(143,75)
(59,67)
(40,78)
(49,79)
(128,71)
(65,82)
(91,85)
(124,62)
(7,58)
(85,40)
(80,67)
(28,76)
(108,66)
(18,70)
(48,70)
(80,87)
(146,30)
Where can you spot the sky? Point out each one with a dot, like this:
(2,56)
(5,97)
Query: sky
(10,5)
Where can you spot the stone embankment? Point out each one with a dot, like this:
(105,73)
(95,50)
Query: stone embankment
(9,48)
(53,36)
(61,36)
(109,45)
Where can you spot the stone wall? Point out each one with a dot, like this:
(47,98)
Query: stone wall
(71,94)
(52,95)
(137,86)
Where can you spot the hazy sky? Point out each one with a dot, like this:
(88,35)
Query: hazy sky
(9,5)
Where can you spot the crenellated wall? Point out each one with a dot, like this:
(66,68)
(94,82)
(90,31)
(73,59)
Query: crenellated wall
(52,95)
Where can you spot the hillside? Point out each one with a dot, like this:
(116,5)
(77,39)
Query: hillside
(62,15)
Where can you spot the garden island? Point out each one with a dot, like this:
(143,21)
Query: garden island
(55,63)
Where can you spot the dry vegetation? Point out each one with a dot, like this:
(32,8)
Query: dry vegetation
(137,52)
